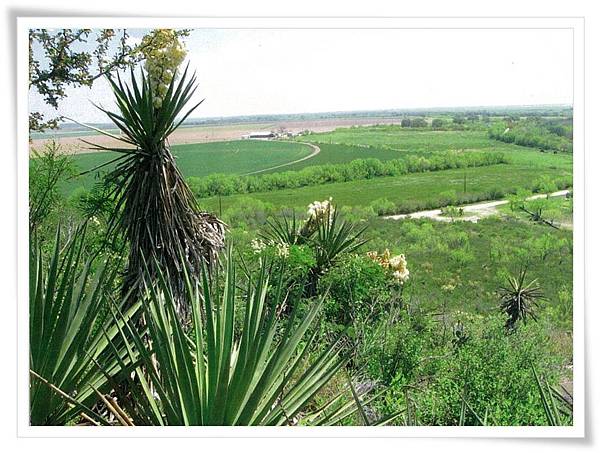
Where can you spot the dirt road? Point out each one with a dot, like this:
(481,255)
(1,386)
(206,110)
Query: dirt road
(472,212)
(316,150)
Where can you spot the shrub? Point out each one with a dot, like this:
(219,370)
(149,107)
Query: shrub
(492,373)
(248,212)
(418,122)
(437,123)
(395,348)
(461,257)
(47,169)
(358,213)
(533,133)
(383,206)
(357,289)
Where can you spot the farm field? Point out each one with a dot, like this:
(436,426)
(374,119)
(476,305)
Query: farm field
(190,133)
(342,146)
(202,159)
(407,191)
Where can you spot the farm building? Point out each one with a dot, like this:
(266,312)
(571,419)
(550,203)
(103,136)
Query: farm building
(264,135)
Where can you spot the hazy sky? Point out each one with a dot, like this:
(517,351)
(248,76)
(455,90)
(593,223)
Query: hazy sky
(243,72)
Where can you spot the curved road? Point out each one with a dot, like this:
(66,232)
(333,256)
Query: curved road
(316,150)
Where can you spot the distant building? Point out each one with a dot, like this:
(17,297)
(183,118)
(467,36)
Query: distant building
(259,135)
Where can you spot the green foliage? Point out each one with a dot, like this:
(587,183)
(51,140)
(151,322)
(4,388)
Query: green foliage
(491,250)
(215,376)
(438,123)
(357,289)
(491,372)
(411,192)
(395,347)
(536,133)
(73,343)
(359,169)
(383,206)
(561,313)
(418,122)
(453,212)
(334,238)
(248,212)
(329,236)
(47,170)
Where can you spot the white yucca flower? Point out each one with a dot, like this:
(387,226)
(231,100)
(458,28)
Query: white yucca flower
(283,250)
(257,245)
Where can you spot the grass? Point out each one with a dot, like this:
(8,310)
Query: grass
(405,191)
(403,139)
(202,159)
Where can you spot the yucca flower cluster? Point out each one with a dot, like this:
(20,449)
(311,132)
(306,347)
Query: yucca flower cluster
(318,212)
(258,246)
(396,264)
(163,53)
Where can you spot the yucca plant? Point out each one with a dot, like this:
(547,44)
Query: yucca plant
(211,375)
(73,340)
(518,300)
(558,405)
(155,209)
(324,231)
(336,236)
(284,230)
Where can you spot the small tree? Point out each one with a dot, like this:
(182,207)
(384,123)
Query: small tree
(46,170)
(459,119)
(437,123)
(405,122)
(59,59)
(418,122)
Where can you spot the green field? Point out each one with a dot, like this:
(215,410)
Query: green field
(414,189)
(405,139)
(202,159)
(420,145)
(383,143)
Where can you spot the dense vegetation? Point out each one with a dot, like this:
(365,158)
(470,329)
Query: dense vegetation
(359,169)
(545,134)
(292,307)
